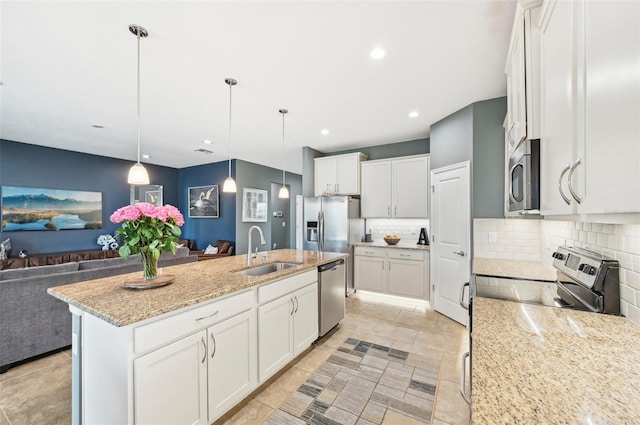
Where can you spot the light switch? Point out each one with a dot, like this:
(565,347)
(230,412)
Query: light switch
(493,237)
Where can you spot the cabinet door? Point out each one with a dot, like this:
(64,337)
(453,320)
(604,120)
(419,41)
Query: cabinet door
(325,172)
(275,335)
(370,273)
(407,278)
(171,383)
(232,356)
(611,155)
(516,101)
(305,318)
(375,200)
(558,107)
(410,192)
(348,175)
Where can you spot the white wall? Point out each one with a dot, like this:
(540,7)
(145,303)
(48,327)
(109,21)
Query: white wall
(535,240)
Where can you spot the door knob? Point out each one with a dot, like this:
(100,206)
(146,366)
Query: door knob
(460,253)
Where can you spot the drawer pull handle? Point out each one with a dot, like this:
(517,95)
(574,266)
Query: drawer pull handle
(213,338)
(405,255)
(208,317)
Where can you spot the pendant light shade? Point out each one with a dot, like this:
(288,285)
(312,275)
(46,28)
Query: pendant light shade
(230,184)
(283,192)
(138,174)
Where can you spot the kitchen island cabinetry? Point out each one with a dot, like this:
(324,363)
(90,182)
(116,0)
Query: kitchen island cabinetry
(338,174)
(393,271)
(288,324)
(397,187)
(188,352)
(590,107)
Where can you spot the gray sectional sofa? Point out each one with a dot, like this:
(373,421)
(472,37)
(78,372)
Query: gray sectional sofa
(33,322)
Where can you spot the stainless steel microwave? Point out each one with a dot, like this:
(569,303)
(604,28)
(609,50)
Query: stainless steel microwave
(523,177)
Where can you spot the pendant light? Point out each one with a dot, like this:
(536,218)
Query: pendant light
(284,192)
(230,184)
(137,173)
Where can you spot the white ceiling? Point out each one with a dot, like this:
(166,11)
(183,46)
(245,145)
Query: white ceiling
(67,65)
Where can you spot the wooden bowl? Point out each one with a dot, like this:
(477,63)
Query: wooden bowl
(391,241)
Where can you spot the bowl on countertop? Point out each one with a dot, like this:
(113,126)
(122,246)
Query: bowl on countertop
(391,241)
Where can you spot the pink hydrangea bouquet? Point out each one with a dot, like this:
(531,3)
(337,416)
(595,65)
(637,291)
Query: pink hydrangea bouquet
(148,230)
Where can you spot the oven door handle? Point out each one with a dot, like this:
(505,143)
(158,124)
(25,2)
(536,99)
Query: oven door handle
(461,301)
(463,378)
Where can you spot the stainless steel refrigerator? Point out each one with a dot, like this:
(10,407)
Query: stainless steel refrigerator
(333,224)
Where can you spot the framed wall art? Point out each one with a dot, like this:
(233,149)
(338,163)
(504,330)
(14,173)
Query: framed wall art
(254,205)
(30,208)
(204,202)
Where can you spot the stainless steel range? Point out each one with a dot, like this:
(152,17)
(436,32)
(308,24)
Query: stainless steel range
(586,281)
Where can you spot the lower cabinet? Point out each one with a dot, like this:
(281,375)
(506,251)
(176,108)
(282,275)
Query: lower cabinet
(288,326)
(395,271)
(192,367)
(170,384)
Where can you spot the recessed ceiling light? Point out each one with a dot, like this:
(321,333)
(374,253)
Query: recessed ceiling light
(324,132)
(378,53)
(145,156)
(97,126)
(207,141)
(413,114)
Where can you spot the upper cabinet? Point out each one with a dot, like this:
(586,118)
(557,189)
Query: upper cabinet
(397,187)
(338,174)
(590,129)
(523,76)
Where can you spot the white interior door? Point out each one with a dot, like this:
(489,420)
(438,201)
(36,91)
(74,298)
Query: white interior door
(450,234)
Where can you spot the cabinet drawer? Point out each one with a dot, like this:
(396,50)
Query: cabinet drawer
(370,251)
(173,327)
(406,254)
(274,290)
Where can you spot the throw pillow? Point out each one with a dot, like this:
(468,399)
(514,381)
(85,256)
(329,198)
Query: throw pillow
(211,250)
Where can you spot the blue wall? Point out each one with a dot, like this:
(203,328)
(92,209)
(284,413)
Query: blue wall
(205,231)
(28,165)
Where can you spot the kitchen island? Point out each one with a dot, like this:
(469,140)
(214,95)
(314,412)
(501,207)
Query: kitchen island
(534,364)
(188,352)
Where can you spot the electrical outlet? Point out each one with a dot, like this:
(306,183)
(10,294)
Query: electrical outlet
(493,237)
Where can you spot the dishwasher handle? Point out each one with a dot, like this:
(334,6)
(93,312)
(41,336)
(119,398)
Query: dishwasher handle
(330,266)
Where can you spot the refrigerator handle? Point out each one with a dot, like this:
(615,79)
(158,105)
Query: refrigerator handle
(320,231)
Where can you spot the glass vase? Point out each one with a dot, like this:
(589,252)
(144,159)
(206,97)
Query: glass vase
(149,266)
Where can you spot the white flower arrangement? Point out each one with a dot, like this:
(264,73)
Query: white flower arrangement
(107,242)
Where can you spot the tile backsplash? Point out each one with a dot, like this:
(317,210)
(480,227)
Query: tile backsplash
(407,229)
(536,240)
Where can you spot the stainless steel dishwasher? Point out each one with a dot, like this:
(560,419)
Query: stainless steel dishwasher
(331,300)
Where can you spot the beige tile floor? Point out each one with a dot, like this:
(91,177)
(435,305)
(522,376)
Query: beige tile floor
(39,392)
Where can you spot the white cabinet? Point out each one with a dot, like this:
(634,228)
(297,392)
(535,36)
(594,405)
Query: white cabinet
(232,362)
(288,323)
(171,383)
(523,76)
(395,271)
(591,105)
(369,269)
(338,174)
(397,187)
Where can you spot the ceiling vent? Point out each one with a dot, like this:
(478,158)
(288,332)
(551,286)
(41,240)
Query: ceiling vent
(204,151)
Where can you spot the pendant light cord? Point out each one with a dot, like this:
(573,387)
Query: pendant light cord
(230,88)
(138,101)
(283,167)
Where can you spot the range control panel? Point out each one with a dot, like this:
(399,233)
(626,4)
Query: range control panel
(580,264)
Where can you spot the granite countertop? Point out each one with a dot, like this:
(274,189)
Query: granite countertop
(400,245)
(534,270)
(195,283)
(535,364)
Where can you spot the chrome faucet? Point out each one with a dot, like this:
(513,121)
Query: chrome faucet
(262,242)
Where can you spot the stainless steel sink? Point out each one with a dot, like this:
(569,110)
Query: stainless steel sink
(266,269)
